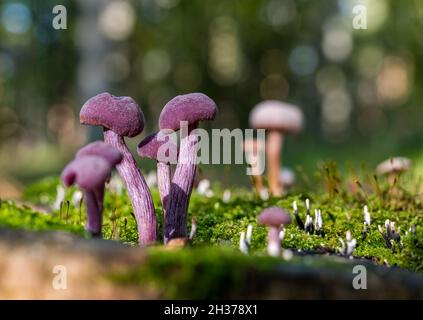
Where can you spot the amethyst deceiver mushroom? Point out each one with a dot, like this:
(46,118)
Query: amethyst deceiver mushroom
(102,150)
(121,117)
(90,173)
(188,109)
(278,118)
(160,147)
(274,217)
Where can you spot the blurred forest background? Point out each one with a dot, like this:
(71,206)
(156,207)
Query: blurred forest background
(359,89)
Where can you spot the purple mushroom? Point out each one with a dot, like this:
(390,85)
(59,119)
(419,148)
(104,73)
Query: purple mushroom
(90,174)
(102,150)
(160,147)
(121,117)
(274,217)
(188,110)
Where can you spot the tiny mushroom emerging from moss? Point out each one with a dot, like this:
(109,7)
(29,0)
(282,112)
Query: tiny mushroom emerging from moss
(90,173)
(274,218)
(184,111)
(278,119)
(393,167)
(121,117)
(161,148)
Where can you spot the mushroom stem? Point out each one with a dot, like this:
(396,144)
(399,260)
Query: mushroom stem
(273,149)
(175,223)
(163,183)
(94,216)
(137,188)
(274,242)
(99,194)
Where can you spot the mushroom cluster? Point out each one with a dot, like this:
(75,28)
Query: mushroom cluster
(279,119)
(121,117)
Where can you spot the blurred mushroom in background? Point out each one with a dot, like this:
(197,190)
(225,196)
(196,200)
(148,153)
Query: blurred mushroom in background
(279,119)
(392,169)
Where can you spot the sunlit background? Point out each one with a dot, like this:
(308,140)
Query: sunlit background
(360,90)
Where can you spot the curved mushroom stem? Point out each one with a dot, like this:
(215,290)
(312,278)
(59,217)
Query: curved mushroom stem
(274,242)
(163,183)
(138,191)
(175,224)
(94,216)
(273,149)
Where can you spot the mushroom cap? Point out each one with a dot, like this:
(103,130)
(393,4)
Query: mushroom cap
(192,107)
(89,172)
(122,115)
(149,147)
(276,115)
(274,216)
(396,164)
(102,150)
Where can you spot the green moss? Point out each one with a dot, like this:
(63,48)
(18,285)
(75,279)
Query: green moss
(220,224)
(22,217)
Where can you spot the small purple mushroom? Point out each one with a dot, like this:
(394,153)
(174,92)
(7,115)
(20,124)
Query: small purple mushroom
(160,147)
(274,217)
(121,117)
(102,150)
(187,109)
(90,174)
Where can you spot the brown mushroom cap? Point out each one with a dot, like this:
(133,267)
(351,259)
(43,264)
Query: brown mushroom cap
(276,115)
(392,165)
(274,216)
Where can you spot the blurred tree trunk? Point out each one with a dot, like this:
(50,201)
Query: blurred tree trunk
(93,47)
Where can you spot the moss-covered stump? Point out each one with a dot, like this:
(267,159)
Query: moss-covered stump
(102,269)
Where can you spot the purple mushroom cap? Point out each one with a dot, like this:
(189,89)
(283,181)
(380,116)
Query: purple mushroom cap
(102,150)
(119,114)
(274,216)
(150,146)
(88,172)
(192,107)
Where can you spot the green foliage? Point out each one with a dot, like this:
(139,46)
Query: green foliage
(23,217)
(220,223)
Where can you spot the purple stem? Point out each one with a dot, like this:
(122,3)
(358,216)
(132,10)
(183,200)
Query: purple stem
(138,191)
(175,224)
(99,193)
(163,183)
(94,216)
(274,243)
